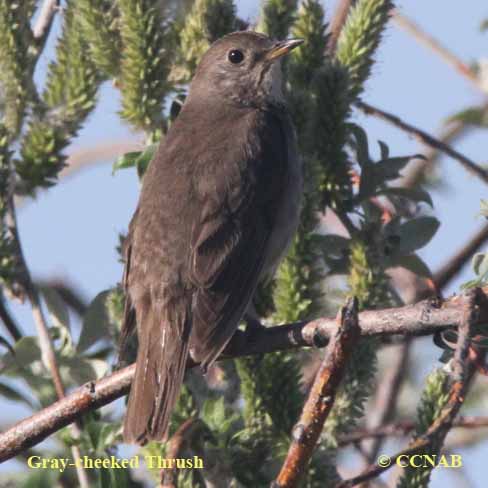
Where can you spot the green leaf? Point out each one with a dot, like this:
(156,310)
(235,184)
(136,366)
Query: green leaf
(213,412)
(145,158)
(416,233)
(41,478)
(480,264)
(472,116)
(139,159)
(359,142)
(96,322)
(128,160)
(59,314)
(27,351)
(80,370)
(385,151)
(389,169)
(15,395)
(56,306)
(413,263)
(484,208)
(414,194)
(332,244)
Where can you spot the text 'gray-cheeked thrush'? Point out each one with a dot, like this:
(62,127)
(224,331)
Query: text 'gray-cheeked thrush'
(219,205)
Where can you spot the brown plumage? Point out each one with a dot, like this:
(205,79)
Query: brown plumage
(218,207)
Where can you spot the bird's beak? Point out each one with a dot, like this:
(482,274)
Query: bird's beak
(281,48)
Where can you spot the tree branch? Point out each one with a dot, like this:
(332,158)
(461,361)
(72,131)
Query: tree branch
(417,170)
(387,395)
(449,270)
(44,22)
(320,398)
(435,46)
(423,318)
(175,448)
(404,427)
(48,355)
(462,372)
(425,138)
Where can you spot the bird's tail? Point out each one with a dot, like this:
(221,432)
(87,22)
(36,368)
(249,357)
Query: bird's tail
(161,361)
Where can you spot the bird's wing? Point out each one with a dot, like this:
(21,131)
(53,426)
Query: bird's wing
(129,319)
(230,237)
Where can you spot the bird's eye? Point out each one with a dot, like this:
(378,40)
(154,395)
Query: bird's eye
(235,56)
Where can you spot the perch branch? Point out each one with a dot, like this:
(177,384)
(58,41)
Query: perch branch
(462,371)
(320,398)
(425,138)
(423,318)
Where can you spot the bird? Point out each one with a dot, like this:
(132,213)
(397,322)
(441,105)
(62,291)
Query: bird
(218,208)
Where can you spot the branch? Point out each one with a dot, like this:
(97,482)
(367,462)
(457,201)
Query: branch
(337,23)
(48,355)
(44,22)
(434,45)
(462,372)
(387,394)
(321,398)
(423,318)
(175,448)
(445,274)
(425,138)
(416,171)
(402,428)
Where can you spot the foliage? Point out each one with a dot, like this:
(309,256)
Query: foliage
(145,63)
(68,98)
(150,50)
(432,401)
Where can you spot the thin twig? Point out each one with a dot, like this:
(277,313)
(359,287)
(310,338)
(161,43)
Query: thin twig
(425,138)
(337,23)
(462,372)
(404,427)
(423,318)
(434,45)
(320,398)
(454,264)
(387,394)
(48,355)
(44,22)
(417,170)
(450,269)
(176,445)
(390,386)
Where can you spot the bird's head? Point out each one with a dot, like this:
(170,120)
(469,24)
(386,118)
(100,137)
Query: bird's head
(243,68)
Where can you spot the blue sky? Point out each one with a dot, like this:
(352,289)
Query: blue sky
(71,231)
